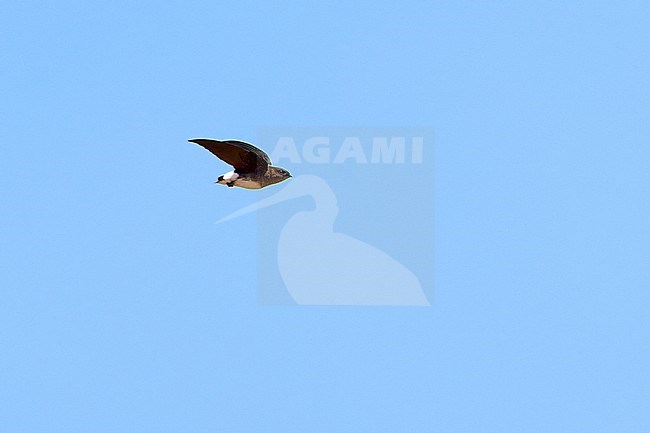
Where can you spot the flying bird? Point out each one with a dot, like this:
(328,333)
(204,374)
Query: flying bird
(252,167)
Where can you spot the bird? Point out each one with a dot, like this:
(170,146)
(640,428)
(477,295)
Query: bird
(252,167)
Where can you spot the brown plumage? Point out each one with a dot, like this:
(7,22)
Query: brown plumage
(252,167)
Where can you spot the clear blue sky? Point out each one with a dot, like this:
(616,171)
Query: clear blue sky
(121,312)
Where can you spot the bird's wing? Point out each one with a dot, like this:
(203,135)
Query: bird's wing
(245,157)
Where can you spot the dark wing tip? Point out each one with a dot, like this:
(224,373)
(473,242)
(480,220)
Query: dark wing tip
(204,142)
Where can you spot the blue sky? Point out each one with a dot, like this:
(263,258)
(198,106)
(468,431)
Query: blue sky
(122,310)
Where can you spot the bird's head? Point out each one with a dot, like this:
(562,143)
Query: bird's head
(278,174)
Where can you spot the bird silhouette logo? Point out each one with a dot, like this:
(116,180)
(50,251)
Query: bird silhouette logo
(322,267)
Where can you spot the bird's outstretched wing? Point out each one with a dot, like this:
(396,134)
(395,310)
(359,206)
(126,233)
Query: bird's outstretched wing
(245,157)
